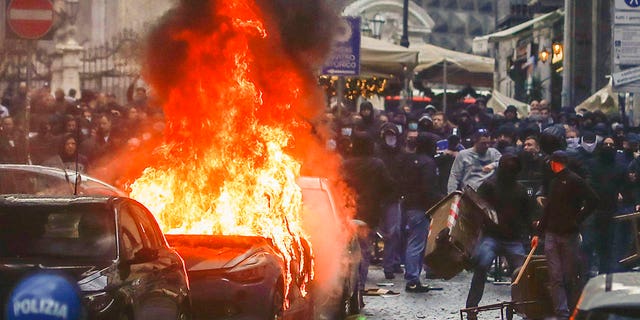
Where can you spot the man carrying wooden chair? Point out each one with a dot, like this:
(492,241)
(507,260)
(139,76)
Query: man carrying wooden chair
(513,208)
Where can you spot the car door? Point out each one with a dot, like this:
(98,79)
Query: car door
(139,259)
(169,269)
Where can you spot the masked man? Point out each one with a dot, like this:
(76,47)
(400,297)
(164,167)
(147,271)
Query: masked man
(506,238)
(569,200)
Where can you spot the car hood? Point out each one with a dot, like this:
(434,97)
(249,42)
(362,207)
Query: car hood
(211,252)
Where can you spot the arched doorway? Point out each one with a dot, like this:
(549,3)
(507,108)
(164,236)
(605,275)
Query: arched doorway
(420,23)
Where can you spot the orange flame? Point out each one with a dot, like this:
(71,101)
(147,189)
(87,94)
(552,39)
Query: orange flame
(236,114)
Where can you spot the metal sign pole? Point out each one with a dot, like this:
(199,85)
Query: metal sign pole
(31,49)
(622,105)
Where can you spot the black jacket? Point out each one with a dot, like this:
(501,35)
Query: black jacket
(419,182)
(513,207)
(369,178)
(608,179)
(569,201)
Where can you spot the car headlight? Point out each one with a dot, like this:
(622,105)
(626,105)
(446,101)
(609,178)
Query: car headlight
(252,269)
(98,301)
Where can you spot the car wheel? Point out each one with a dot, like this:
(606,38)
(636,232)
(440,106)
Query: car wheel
(351,304)
(345,308)
(355,301)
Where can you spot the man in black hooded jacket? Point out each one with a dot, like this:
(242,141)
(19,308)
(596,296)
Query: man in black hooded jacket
(389,150)
(368,177)
(513,208)
(608,180)
(367,124)
(569,201)
(419,188)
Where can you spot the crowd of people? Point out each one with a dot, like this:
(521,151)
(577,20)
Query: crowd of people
(556,175)
(75,134)
(551,174)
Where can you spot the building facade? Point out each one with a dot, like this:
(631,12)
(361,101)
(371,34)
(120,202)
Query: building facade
(583,55)
(457,22)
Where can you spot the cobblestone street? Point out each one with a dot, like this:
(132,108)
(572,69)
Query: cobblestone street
(434,305)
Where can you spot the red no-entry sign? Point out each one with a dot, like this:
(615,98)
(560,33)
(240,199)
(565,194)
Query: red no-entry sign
(30,19)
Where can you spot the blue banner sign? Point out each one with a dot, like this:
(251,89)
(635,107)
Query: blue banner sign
(344,59)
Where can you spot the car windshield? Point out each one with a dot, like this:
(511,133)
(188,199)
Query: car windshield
(75,231)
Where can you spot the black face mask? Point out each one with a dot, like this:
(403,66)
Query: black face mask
(502,144)
(528,156)
(411,144)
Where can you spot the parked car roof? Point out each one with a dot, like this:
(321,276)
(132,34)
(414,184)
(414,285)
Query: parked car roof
(88,184)
(611,291)
(39,200)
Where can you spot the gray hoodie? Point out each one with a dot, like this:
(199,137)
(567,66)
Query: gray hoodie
(467,168)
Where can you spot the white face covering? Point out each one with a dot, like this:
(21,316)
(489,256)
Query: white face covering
(588,147)
(346,132)
(399,126)
(573,142)
(390,140)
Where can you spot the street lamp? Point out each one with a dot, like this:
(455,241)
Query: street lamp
(557,48)
(558,52)
(544,55)
(377,21)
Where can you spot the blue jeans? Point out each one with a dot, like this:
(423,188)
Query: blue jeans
(417,232)
(392,232)
(488,249)
(562,252)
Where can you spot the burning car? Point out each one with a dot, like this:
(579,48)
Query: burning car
(239,101)
(240,277)
(244,277)
(112,246)
(336,292)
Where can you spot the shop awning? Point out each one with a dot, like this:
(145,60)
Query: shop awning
(499,102)
(461,68)
(481,44)
(381,58)
(604,100)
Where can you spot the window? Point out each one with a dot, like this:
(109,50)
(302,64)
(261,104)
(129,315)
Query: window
(70,231)
(149,226)
(131,238)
